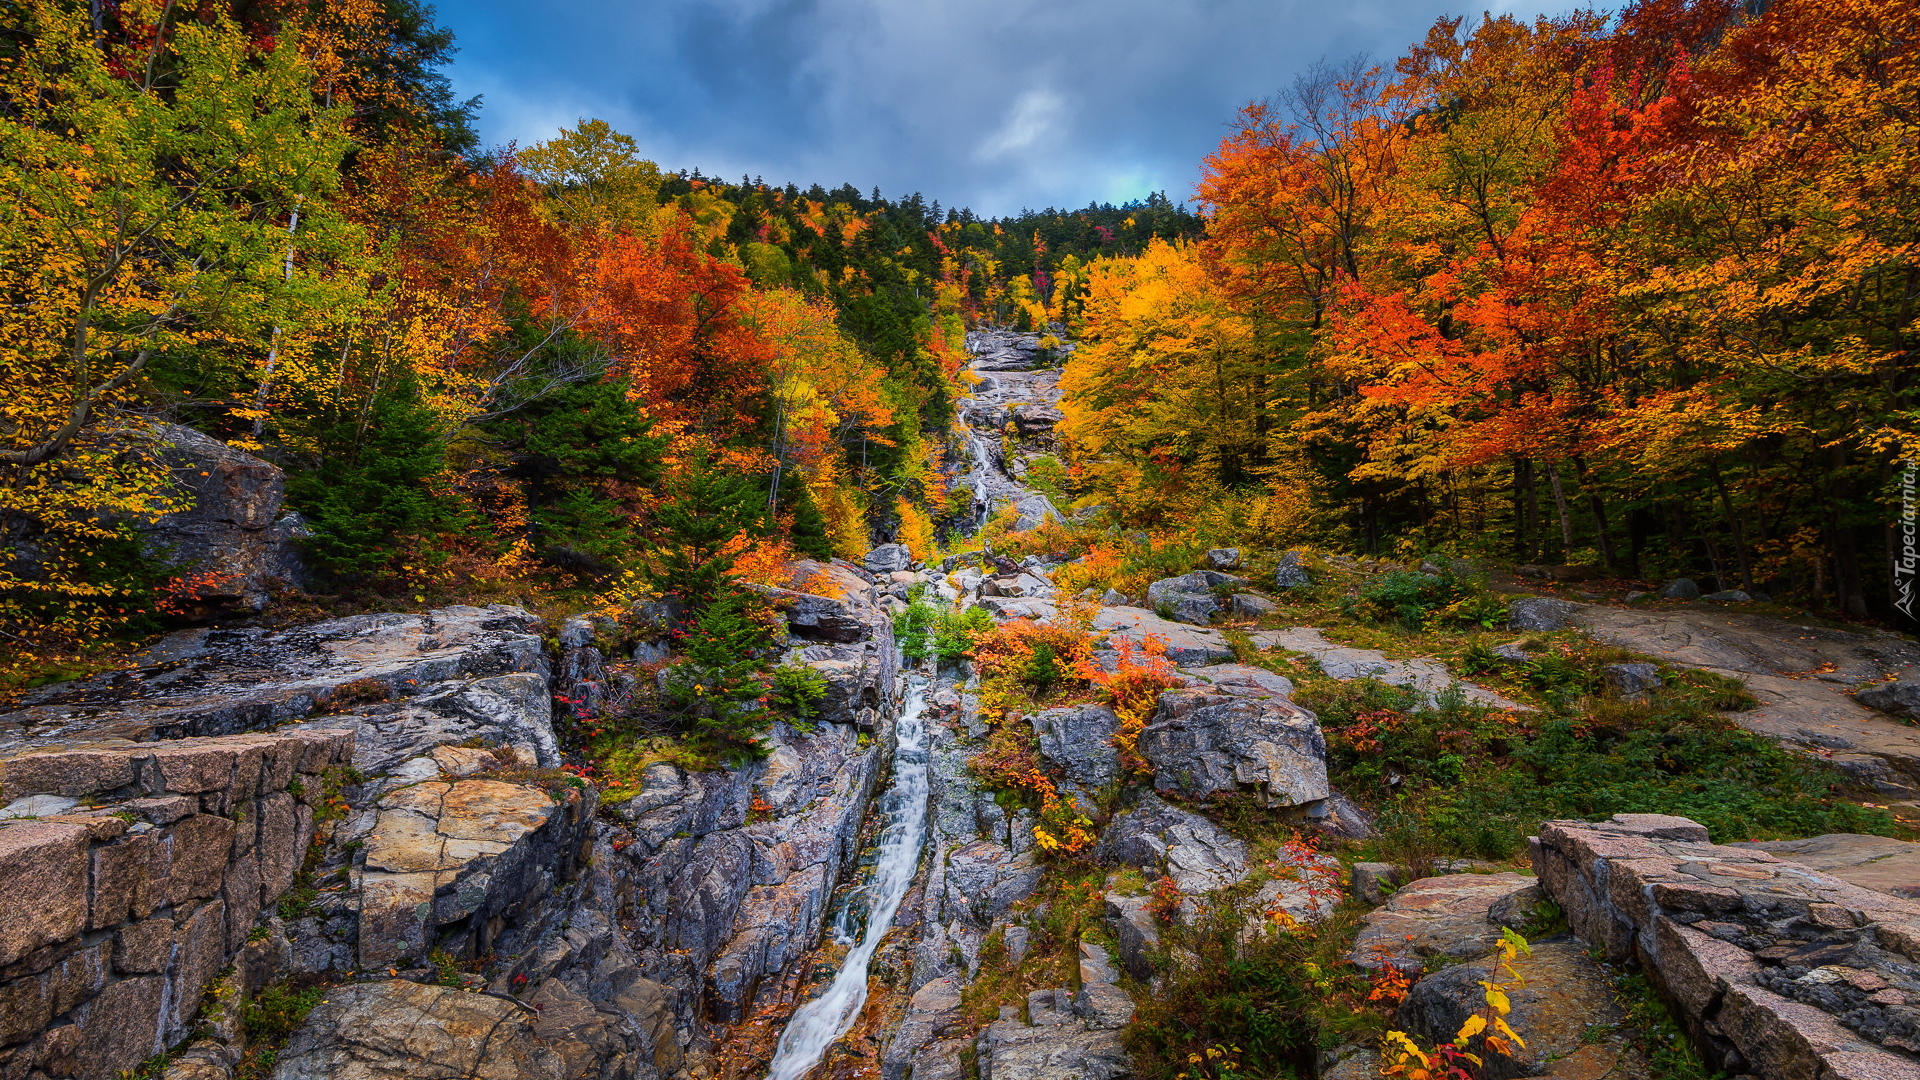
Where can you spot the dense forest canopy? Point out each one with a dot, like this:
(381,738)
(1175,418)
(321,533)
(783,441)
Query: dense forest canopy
(272,222)
(1633,292)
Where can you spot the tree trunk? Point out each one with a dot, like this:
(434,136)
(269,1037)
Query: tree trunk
(1636,539)
(1849,588)
(1599,508)
(1566,517)
(1739,530)
(1520,529)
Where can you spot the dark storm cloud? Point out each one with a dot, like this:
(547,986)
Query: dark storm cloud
(995,104)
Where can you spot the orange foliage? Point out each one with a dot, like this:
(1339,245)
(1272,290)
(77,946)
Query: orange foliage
(1133,692)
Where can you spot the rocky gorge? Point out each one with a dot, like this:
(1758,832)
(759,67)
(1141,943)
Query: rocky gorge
(374,808)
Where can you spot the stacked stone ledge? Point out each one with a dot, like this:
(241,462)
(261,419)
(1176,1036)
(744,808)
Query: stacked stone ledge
(1776,969)
(130,876)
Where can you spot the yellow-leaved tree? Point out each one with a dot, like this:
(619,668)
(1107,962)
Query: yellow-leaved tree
(149,182)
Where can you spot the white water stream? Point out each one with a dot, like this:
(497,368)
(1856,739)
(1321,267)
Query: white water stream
(819,1022)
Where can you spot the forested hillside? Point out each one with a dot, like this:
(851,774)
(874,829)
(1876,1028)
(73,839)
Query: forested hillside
(484,371)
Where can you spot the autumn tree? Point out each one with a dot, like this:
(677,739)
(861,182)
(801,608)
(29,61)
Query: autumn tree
(151,176)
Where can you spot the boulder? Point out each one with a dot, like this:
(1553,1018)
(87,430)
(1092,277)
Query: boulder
(1444,918)
(1135,930)
(1115,598)
(1373,882)
(1680,589)
(1880,863)
(1189,598)
(1632,682)
(232,541)
(1032,419)
(1735,596)
(1513,652)
(1291,572)
(1251,606)
(819,618)
(1032,511)
(1031,586)
(1223,559)
(1540,613)
(1900,697)
(1201,745)
(888,558)
(1182,845)
(1240,680)
(1079,739)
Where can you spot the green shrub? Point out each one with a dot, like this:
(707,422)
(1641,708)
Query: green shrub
(1457,780)
(718,694)
(798,690)
(365,491)
(927,628)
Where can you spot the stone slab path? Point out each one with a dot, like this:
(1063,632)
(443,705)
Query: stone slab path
(1429,677)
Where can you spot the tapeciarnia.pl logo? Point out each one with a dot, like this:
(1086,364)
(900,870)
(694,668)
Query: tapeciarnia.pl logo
(1906,562)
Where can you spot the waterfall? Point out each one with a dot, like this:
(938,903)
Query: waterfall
(904,807)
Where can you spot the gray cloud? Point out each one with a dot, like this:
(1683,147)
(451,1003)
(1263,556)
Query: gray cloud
(994,104)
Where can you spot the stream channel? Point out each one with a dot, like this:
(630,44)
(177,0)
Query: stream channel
(868,910)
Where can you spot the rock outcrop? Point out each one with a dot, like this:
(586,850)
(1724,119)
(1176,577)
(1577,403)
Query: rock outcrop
(1185,644)
(1880,863)
(232,542)
(1202,745)
(1777,970)
(123,909)
(221,682)
(1427,678)
(1450,918)
(398,1030)
(449,864)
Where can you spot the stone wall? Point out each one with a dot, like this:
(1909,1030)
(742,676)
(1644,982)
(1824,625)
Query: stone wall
(1777,970)
(134,873)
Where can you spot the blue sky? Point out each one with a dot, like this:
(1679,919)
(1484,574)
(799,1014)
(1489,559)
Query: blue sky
(994,104)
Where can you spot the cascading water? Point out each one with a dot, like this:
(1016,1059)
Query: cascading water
(827,1017)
